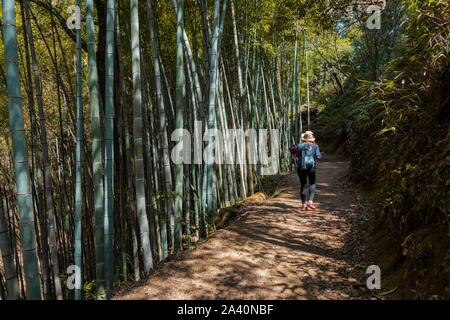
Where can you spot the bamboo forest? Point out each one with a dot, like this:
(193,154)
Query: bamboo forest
(168,149)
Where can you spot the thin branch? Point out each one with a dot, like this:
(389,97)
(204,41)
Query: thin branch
(62,21)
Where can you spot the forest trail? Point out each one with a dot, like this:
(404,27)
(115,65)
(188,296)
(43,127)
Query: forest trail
(275,251)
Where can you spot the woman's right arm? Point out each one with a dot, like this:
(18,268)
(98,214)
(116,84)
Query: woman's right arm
(318,155)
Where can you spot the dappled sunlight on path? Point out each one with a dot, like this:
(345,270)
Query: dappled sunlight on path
(275,252)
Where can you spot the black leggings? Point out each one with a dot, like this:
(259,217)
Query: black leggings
(304,176)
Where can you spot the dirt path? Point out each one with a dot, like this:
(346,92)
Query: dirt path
(275,252)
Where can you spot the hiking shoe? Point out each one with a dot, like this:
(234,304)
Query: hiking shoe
(311,205)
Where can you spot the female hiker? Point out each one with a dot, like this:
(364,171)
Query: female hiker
(305,156)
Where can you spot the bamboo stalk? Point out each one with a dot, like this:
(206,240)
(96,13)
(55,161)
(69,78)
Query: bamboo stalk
(19,145)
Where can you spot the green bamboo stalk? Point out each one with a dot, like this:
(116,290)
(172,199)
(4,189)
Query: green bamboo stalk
(299,121)
(122,156)
(46,160)
(211,197)
(191,61)
(248,114)
(163,128)
(206,33)
(109,137)
(138,138)
(128,150)
(58,76)
(78,254)
(295,98)
(268,123)
(194,172)
(36,164)
(19,146)
(157,204)
(128,207)
(227,118)
(60,220)
(275,111)
(204,168)
(241,100)
(96,152)
(307,83)
(228,178)
(179,124)
(193,70)
(12,283)
(147,114)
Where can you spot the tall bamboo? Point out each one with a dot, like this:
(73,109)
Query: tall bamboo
(179,123)
(211,196)
(307,83)
(36,166)
(12,285)
(295,97)
(109,137)
(241,100)
(79,164)
(138,138)
(19,146)
(162,126)
(46,161)
(94,94)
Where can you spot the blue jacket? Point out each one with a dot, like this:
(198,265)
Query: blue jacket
(315,151)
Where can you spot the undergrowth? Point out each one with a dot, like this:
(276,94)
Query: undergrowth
(395,132)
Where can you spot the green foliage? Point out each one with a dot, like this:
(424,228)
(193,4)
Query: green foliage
(89,290)
(396,130)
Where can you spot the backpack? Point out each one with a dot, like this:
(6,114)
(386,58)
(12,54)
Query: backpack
(294,154)
(307,156)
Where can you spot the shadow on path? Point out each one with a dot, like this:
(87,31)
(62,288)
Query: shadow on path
(275,252)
